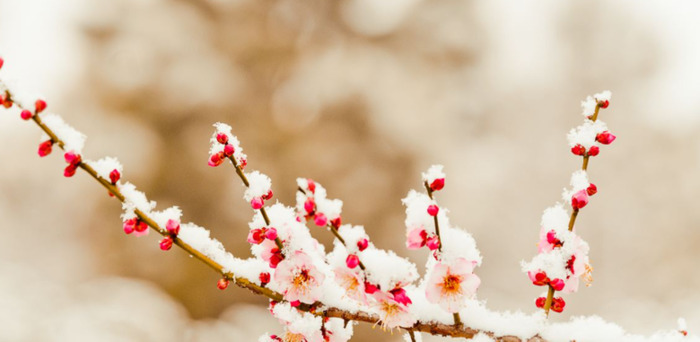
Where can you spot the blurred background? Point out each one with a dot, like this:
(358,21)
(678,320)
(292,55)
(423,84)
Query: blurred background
(361,96)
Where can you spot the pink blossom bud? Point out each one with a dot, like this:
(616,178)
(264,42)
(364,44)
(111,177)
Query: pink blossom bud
(362,244)
(309,205)
(578,150)
(222,138)
(2,61)
(222,284)
(352,261)
(433,242)
(271,233)
(605,138)
(264,278)
(311,185)
(558,304)
(173,227)
(256,236)
(579,199)
(130,225)
(45,148)
(336,222)
(433,210)
(370,289)
(215,159)
(604,104)
(26,115)
(276,257)
(592,190)
(228,150)
(400,296)
(268,195)
(437,184)
(557,284)
(114,176)
(72,158)
(552,239)
(7,103)
(539,302)
(320,220)
(593,151)
(257,203)
(540,278)
(40,105)
(243,162)
(141,226)
(166,243)
(69,171)
(295,303)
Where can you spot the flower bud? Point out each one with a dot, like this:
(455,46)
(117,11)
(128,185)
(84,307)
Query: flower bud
(540,278)
(130,225)
(166,243)
(592,190)
(268,195)
(141,226)
(539,302)
(604,104)
(579,199)
(552,238)
(257,203)
(557,284)
(362,244)
(593,151)
(352,261)
(264,278)
(578,150)
(26,115)
(433,210)
(295,303)
(72,158)
(370,289)
(276,257)
(45,148)
(320,220)
(222,138)
(271,233)
(173,227)
(228,150)
(2,61)
(311,185)
(309,205)
(336,222)
(216,159)
(256,236)
(558,304)
(69,171)
(222,284)
(605,138)
(114,176)
(401,296)
(437,184)
(40,105)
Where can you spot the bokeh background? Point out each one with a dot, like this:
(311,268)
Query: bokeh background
(361,96)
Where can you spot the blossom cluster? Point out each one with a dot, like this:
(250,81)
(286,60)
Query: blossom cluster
(562,258)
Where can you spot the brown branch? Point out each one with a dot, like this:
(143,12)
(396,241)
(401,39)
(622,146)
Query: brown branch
(432,328)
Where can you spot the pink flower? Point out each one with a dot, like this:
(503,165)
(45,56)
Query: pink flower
(450,285)
(577,266)
(256,236)
(579,199)
(299,279)
(26,115)
(437,184)
(416,238)
(352,261)
(257,203)
(45,148)
(320,220)
(392,313)
(351,281)
(548,241)
(362,244)
(433,210)
(114,176)
(40,105)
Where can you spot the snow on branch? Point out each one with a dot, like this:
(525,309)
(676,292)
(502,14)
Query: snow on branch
(317,295)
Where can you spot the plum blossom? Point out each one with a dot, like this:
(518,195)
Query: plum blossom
(351,281)
(392,313)
(451,285)
(299,278)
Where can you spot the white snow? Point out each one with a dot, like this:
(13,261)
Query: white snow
(73,140)
(260,185)
(105,166)
(434,172)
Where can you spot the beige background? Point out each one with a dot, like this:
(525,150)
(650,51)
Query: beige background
(361,96)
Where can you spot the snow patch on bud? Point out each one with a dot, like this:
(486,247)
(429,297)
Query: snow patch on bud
(586,133)
(387,269)
(589,104)
(435,177)
(579,182)
(224,130)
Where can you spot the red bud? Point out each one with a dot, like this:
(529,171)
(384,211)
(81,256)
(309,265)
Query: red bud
(222,284)
(592,190)
(362,244)
(26,115)
(578,150)
(45,148)
(222,138)
(166,243)
(40,105)
(114,176)
(433,210)
(593,151)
